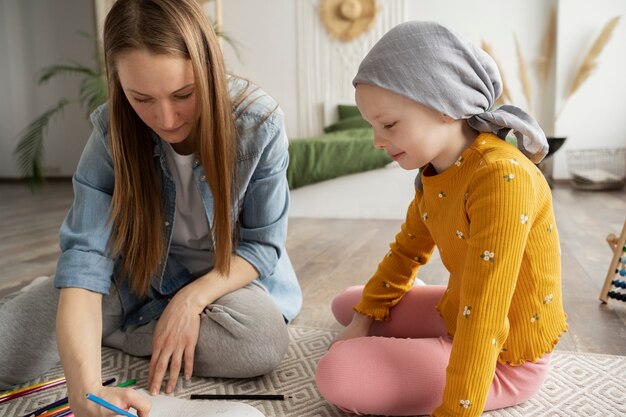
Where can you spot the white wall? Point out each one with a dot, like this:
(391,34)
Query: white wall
(270,57)
(34,34)
(594,117)
(266,34)
(12,59)
(275,33)
(497,22)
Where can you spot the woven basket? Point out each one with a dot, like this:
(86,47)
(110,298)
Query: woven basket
(597,169)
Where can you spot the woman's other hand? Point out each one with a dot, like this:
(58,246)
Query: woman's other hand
(174,341)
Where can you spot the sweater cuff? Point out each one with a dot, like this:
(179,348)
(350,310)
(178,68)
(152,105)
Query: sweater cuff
(378,313)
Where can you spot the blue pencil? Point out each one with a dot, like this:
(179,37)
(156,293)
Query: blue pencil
(109,406)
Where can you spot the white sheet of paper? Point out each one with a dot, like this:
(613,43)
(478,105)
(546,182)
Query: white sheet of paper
(165,406)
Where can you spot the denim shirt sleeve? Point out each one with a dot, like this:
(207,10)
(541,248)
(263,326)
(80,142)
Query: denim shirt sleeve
(85,231)
(263,219)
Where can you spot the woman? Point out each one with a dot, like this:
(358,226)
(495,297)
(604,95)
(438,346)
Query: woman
(174,246)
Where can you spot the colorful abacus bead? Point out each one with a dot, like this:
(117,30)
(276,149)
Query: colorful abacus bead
(618,283)
(617,295)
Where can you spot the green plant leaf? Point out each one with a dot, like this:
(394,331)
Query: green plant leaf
(55,70)
(93,92)
(29,150)
(86,35)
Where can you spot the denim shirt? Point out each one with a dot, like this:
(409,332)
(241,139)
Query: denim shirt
(262,159)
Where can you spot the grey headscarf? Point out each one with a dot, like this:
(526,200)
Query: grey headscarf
(431,65)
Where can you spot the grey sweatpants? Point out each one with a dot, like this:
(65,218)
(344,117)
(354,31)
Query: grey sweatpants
(242,334)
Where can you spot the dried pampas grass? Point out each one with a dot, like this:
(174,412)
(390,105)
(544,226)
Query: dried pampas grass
(545,63)
(548,44)
(505,97)
(523,76)
(590,62)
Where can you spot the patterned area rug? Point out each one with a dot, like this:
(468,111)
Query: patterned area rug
(578,384)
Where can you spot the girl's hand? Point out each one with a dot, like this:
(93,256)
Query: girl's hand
(358,327)
(124,398)
(174,341)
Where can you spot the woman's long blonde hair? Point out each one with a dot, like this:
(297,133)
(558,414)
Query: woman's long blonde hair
(180,28)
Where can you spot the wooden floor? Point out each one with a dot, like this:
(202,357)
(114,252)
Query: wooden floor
(329,255)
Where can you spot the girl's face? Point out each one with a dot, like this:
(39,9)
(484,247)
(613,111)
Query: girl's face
(412,134)
(160,88)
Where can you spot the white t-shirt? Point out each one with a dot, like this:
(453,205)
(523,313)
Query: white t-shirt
(191,242)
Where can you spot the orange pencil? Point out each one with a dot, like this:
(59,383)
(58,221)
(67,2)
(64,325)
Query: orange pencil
(55,411)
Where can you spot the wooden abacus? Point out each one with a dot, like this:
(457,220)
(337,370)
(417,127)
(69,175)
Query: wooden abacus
(615,282)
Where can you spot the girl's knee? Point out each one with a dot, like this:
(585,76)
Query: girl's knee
(381,376)
(337,376)
(325,375)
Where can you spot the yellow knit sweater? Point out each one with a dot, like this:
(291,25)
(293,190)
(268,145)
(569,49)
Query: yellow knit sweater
(491,217)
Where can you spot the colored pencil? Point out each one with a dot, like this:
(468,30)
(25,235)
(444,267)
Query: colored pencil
(127,383)
(108,405)
(39,384)
(65,400)
(279,397)
(47,407)
(31,390)
(56,411)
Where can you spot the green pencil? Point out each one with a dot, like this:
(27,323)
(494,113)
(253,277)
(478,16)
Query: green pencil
(127,383)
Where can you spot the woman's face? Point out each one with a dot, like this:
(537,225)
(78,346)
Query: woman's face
(412,134)
(160,88)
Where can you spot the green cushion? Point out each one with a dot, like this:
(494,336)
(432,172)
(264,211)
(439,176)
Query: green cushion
(353,122)
(332,155)
(345,111)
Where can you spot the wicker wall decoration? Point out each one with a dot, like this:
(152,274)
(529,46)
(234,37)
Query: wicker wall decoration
(347,19)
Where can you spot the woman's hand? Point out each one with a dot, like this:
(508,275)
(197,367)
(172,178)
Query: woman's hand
(174,340)
(358,327)
(124,398)
(176,333)
(79,335)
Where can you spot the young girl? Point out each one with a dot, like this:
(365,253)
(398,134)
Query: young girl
(174,246)
(484,341)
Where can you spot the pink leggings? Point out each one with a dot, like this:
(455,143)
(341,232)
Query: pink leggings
(400,368)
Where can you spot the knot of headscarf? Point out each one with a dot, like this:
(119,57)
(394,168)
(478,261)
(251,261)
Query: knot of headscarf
(428,63)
